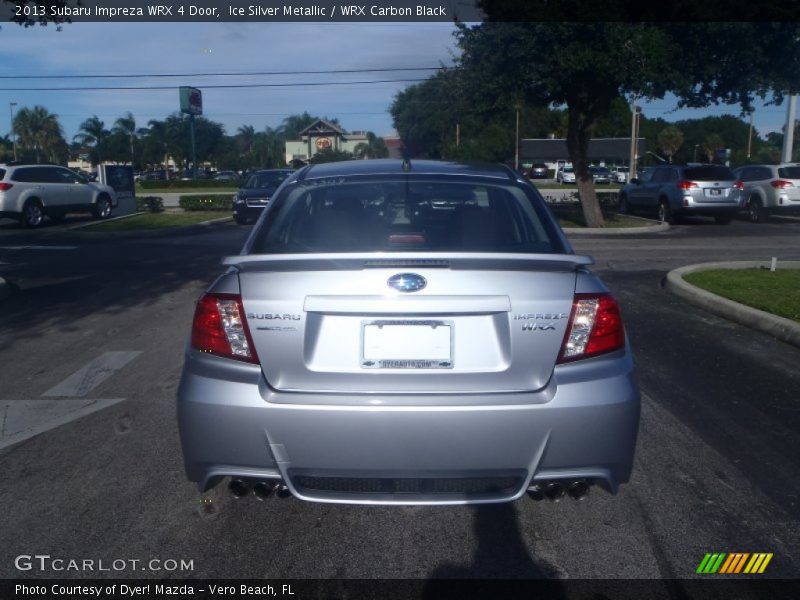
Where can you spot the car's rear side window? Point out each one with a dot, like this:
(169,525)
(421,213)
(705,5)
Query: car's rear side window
(709,173)
(2,173)
(789,172)
(341,215)
(29,175)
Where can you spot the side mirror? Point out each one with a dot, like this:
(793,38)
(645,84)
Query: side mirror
(82,179)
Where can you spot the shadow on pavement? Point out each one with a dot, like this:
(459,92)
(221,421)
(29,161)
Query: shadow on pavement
(502,554)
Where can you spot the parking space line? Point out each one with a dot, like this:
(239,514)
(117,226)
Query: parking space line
(89,377)
(25,419)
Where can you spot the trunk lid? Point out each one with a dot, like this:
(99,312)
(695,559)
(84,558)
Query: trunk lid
(482,324)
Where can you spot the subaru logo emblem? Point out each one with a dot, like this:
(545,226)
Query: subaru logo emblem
(407,282)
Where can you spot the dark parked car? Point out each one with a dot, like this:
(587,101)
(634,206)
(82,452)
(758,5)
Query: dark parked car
(673,190)
(250,201)
(408,333)
(538,171)
(600,174)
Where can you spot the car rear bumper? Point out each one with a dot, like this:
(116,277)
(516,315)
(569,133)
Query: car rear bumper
(583,424)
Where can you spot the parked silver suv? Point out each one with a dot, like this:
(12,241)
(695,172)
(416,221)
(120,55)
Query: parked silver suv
(673,190)
(31,192)
(769,189)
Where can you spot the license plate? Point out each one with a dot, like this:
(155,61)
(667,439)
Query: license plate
(715,192)
(407,344)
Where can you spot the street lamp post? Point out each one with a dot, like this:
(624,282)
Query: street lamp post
(696,146)
(11,106)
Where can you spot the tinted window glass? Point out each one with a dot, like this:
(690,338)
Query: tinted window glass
(789,172)
(65,176)
(30,175)
(2,173)
(266,180)
(661,175)
(397,216)
(709,173)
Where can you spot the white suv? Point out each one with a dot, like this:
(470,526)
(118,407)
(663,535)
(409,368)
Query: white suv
(31,192)
(770,189)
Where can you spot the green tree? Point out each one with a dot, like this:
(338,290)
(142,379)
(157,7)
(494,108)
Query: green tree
(92,135)
(39,131)
(125,126)
(670,139)
(330,155)
(374,147)
(711,143)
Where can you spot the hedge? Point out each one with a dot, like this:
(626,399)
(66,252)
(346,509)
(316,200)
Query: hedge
(206,202)
(152,204)
(178,184)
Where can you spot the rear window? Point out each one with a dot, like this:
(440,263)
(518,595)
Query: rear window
(2,173)
(341,215)
(789,172)
(709,173)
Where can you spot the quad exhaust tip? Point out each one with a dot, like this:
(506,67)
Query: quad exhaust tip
(555,490)
(261,489)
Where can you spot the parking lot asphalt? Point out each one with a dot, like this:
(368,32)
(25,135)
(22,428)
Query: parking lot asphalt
(717,467)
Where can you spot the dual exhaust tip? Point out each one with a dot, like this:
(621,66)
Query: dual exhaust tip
(577,489)
(261,488)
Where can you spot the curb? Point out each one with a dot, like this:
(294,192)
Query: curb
(658,228)
(784,329)
(202,227)
(91,223)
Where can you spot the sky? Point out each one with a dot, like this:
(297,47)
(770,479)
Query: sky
(164,48)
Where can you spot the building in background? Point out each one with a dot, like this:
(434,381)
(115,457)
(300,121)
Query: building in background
(322,135)
(602,151)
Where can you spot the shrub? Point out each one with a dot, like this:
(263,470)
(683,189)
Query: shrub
(206,202)
(153,204)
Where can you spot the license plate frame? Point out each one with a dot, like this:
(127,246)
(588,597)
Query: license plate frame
(715,192)
(375,352)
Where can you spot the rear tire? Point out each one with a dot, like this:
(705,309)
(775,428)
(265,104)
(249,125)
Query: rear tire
(755,210)
(32,214)
(240,220)
(102,208)
(665,214)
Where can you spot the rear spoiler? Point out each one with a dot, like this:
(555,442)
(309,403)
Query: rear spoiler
(409,260)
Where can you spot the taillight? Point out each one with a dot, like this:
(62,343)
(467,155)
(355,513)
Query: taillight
(595,327)
(4,187)
(739,185)
(220,328)
(686,185)
(781,184)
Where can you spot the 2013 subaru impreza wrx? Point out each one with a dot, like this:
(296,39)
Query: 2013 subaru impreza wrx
(408,333)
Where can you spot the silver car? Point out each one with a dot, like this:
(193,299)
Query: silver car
(672,191)
(31,192)
(770,189)
(408,333)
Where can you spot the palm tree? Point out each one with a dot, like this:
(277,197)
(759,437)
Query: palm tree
(268,148)
(38,129)
(92,134)
(374,147)
(245,137)
(670,139)
(711,143)
(126,125)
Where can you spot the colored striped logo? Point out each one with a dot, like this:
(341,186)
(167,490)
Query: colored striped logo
(734,563)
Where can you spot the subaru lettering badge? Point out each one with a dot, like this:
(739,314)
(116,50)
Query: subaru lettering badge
(407,282)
